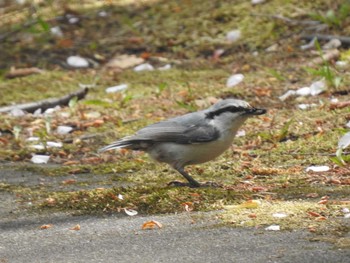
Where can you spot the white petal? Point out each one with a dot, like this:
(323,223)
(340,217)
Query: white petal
(306,106)
(344,141)
(279,215)
(117,88)
(287,95)
(345,210)
(40,158)
(130,212)
(234,80)
(332,44)
(305,91)
(120,197)
(102,13)
(64,129)
(241,133)
(341,63)
(38,146)
(56,31)
(309,45)
(319,168)
(73,20)
(318,87)
(77,62)
(255,2)
(273,228)
(17,112)
(32,139)
(165,67)
(144,67)
(233,35)
(54,144)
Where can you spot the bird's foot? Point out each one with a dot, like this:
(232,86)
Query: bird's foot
(181,184)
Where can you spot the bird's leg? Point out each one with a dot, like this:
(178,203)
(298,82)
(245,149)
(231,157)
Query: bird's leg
(193,183)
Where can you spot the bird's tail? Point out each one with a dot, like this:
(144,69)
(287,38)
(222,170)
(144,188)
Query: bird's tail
(116,145)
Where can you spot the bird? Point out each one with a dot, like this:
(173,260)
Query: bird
(193,138)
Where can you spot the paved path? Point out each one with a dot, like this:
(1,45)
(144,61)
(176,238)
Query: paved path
(183,238)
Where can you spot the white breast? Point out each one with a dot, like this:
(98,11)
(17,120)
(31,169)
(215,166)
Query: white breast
(185,154)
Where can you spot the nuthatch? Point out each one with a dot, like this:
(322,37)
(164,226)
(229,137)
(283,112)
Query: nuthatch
(192,138)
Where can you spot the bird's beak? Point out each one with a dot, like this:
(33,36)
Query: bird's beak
(255,111)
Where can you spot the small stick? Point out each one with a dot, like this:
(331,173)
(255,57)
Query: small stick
(46,104)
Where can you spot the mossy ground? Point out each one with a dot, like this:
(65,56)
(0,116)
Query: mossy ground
(267,164)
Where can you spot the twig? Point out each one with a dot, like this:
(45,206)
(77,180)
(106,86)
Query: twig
(344,40)
(46,104)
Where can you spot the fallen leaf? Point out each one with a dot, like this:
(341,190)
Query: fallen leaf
(77,227)
(124,61)
(151,225)
(312,229)
(261,92)
(252,215)
(69,181)
(71,163)
(258,189)
(314,214)
(145,55)
(322,202)
(188,206)
(46,226)
(50,201)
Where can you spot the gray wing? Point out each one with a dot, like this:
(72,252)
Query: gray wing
(171,131)
(186,129)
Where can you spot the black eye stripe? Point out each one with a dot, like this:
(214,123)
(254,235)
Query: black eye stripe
(211,115)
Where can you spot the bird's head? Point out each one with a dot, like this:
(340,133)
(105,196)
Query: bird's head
(232,112)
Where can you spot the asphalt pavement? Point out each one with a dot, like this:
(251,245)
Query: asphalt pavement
(195,237)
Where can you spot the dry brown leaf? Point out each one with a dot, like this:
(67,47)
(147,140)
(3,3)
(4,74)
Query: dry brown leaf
(124,61)
(322,202)
(262,92)
(69,181)
(46,226)
(76,228)
(258,189)
(151,225)
(314,214)
(188,206)
(22,72)
(71,162)
(50,201)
